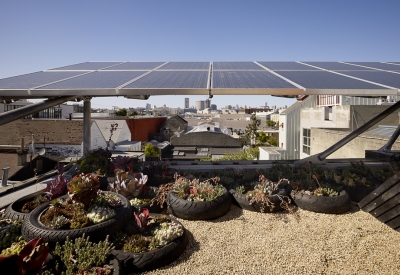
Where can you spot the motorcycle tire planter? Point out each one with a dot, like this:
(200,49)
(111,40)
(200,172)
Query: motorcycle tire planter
(323,204)
(14,212)
(243,201)
(33,228)
(137,262)
(155,208)
(199,210)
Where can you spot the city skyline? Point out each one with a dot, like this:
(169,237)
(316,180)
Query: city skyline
(42,35)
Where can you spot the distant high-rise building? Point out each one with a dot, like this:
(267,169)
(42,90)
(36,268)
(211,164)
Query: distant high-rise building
(229,107)
(207,103)
(186,102)
(213,107)
(200,105)
(148,106)
(266,104)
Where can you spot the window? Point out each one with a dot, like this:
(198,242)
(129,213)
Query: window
(306,141)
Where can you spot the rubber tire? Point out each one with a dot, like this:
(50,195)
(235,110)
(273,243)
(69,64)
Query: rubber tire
(13,210)
(32,228)
(323,204)
(244,201)
(137,262)
(203,210)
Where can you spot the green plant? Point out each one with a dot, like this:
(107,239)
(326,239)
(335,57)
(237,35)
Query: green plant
(325,191)
(83,188)
(81,255)
(10,231)
(192,189)
(96,161)
(147,233)
(260,192)
(151,150)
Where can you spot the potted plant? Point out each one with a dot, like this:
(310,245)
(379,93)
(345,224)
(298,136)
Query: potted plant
(85,209)
(133,187)
(149,241)
(263,195)
(309,194)
(192,199)
(20,209)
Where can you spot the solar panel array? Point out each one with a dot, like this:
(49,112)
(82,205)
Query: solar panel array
(241,77)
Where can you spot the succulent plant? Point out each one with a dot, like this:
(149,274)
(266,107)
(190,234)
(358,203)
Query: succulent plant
(167,232)
(57,187)
(98,214)
(128,184)
(10,231)
(29,260)
(141,217)
(83,188)
(82,256)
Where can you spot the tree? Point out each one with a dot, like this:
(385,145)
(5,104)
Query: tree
(134,113)
(250,133)
(271,123)
(121,112)
(150,150)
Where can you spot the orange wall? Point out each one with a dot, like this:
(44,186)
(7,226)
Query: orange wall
(141,127)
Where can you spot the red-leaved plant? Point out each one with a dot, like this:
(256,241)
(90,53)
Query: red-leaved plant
(141,217)
(29,261)
(57,187)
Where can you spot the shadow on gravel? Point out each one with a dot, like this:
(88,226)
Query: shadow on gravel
(233,214)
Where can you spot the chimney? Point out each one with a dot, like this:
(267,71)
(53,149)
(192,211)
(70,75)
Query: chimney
(21,154)
(5,177)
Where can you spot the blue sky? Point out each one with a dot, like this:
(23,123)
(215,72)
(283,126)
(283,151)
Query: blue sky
(39,35)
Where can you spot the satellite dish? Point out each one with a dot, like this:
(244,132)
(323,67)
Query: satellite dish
(42,152)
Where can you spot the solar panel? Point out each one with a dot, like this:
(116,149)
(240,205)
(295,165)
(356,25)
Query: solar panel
(186,66)
(141,66)
(232,66)
(325,80)
(285,66)
(28,81)
(336,66)
(248,79)
(381,77)
(96,80)
(87,66)
(378,65)
(171,80)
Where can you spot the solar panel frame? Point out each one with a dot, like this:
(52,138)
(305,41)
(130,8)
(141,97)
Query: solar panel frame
(135,66)
(178,66)
(86,66)
(166,79)
(248,80)
(285,66)
(236,66)
(378,65)
(32,80)
(96,80)
(325,80)
(336,66)
(381,77)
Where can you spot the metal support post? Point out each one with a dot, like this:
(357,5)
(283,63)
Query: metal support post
(387,148)
(86,125)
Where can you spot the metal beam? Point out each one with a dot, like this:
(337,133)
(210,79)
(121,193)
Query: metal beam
(86,125)
(387,148)
(34,108)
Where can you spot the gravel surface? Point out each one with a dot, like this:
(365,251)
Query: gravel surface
(244,242)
